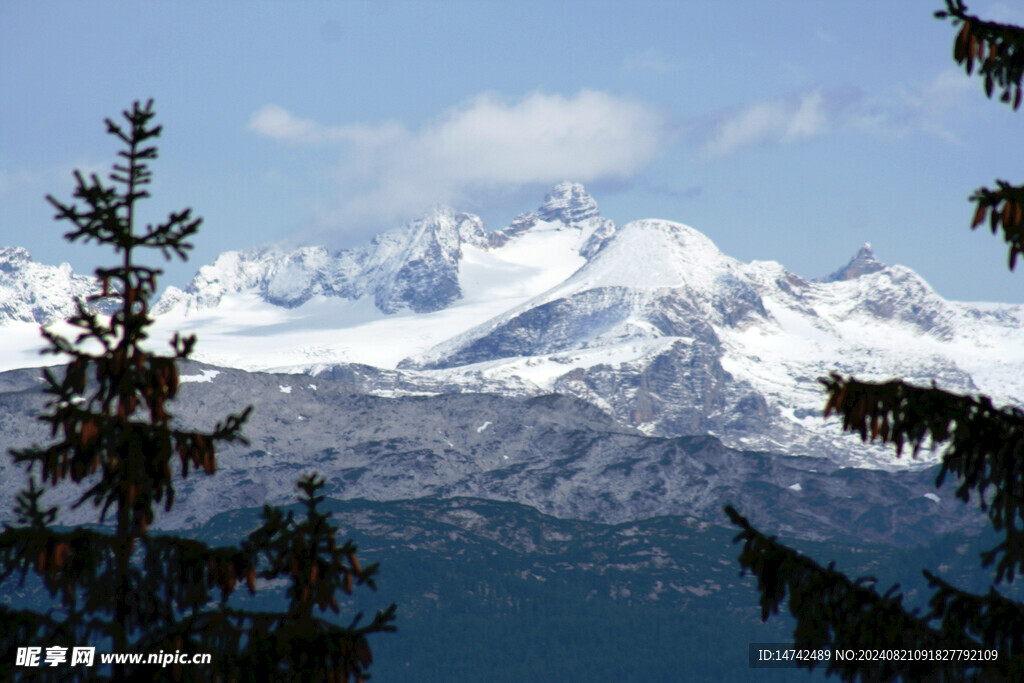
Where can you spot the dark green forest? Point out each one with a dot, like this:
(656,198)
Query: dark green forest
(472,609)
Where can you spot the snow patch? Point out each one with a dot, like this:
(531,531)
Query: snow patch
(796,487)
(484,426)
(284,389)
(933,497)
(203,376)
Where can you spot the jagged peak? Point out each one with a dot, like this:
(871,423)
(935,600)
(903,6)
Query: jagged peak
(14,255)
(568,202)
(863,263)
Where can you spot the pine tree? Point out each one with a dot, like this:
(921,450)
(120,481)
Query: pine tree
(121,589)
(297,645)
(983,451)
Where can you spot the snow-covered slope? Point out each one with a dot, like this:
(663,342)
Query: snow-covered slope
(414,268)
(649,321)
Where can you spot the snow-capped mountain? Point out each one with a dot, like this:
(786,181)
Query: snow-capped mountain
(415,267)
(35,293)
(406,291)
(673,337)
(863,263)
(648,321)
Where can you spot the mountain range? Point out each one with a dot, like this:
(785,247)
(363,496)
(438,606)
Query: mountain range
(649,322)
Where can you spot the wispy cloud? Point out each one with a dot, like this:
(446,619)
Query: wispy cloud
(931,108)
(490,142)
(764,122)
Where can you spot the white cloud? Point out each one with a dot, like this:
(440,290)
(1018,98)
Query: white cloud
(489,143)
(274,122)
(932,107)
(278,123)
(938,107)
(809,118)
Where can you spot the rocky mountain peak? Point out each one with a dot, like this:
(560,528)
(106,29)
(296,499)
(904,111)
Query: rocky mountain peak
(12,258)
(569,203)
(862,263)
(418,267)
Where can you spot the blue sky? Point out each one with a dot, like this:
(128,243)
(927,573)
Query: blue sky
(789,131)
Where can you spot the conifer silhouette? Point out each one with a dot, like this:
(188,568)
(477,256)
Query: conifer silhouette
(119,588)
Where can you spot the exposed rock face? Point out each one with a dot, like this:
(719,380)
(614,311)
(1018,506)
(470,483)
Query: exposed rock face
(568,203)
(418,268)
(863,263)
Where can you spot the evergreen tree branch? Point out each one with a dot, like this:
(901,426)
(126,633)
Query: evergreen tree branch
(96,442)
(998,49)
(1004,209)
(270,646)
(984,448)
(173,576)
(187,570)
(993,620)
(832,611)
